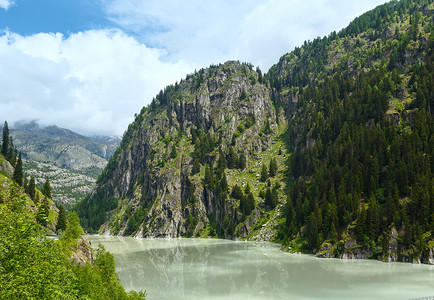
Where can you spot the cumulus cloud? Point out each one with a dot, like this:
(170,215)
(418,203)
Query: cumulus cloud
(258,31)
(5,4)
(94,81)
(91,82)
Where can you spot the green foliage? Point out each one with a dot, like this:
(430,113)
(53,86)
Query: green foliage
(33,267)
(241,162)
(204,144)
(62,221)
(231,158)
(73,229)
(196,167)
(237,192)
(43,212)
(273,167)
(351,161)
(92,210)
(250,120)
(32,188)
(174,152)
(247,204)
(264,173)
(18,171)
(271,196)
(5,140)
(46,188)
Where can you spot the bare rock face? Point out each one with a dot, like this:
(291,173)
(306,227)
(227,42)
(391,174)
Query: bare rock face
(151,174)
(6,167)
(352,250)
(392,251)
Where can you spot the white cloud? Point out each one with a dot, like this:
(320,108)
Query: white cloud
(259,31)
(5,4)
(94,81)
(91,82)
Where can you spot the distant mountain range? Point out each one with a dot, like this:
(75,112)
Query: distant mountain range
(71,161)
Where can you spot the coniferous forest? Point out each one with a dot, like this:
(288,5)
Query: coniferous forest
(362,139)
(330,152)
(354,111)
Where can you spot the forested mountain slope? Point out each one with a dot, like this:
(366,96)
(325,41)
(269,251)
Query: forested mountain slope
(331,151)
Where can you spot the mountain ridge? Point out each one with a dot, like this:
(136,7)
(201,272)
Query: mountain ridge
(198,160)
(70,160)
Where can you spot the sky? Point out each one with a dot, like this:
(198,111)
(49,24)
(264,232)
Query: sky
(89,66)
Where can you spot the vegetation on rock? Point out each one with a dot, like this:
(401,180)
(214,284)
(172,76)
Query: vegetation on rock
(333,148)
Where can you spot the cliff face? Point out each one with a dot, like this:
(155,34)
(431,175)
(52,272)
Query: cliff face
(330,153)
(201,118)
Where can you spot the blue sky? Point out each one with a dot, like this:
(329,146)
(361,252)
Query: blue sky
(89,66)
(28,17)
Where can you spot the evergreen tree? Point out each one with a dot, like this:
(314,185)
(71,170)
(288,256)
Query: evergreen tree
(209,176)
(268,197)
(61,219)
(46,188)
(241,163)
(273,167)
(5,140)
(196,167)
(18,171)
(232,158)
(264,173)
(237,192)
(173,153)
(32,186)
(248,189)
(11,155)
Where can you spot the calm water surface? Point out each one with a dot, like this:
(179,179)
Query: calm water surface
(222,269)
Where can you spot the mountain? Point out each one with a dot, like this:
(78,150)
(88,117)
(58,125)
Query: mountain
(71,161)
(330,152)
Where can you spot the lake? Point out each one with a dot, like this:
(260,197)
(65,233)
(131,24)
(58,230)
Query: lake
(224,269)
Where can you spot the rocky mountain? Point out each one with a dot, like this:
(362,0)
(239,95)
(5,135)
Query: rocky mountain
(71,161)
(310,154)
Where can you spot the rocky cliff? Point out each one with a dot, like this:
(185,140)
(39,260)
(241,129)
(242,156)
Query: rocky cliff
(217,117)
(330,152)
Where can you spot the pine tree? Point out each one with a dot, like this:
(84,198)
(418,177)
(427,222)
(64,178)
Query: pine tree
(32,186)
(18,172)
(237,192)
(173,153)
(5,140)
(196,167)
(46,188)
(241,163)
(61,219)
(264,173)
(273,168)
(268,197)
(209,176)
(232,158)
(10,156)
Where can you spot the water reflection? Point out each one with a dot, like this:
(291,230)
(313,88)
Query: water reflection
(221,269)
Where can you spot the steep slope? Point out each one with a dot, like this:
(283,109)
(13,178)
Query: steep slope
(346,120)
(362,136)
(71,161)
(176,164)
(36,267)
